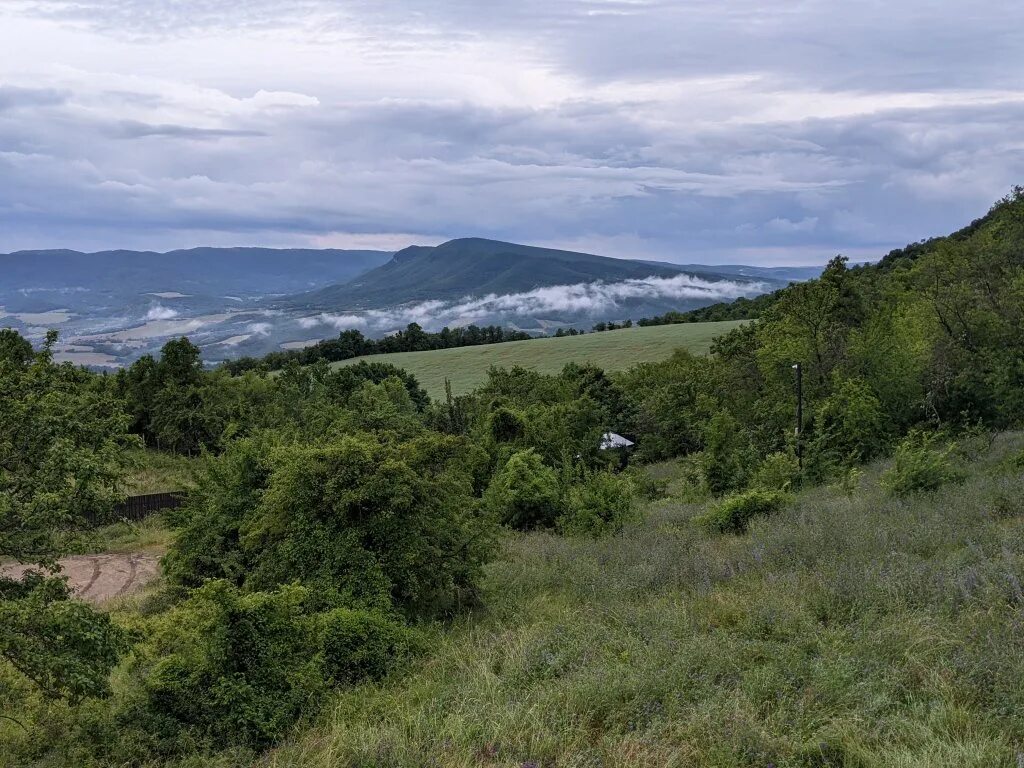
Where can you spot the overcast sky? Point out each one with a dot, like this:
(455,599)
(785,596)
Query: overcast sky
(739,131)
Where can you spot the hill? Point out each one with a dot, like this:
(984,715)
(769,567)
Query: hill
(64,276)
(466,367)
(474,266)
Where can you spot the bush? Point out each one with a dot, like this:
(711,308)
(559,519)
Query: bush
(225,668)
(778,472)
(364,524)
(726,456)
(850,428)
(734,513)
(525,493)
(919,466)
(645,484)
(601,504)
(360,645)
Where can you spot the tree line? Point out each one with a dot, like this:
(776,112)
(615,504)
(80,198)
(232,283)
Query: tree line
(353,343)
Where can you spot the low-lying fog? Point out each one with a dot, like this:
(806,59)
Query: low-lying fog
(228,326)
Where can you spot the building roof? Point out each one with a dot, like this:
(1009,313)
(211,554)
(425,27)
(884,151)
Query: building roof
(614,440)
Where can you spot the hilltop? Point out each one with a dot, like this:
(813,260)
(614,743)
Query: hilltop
(477,267)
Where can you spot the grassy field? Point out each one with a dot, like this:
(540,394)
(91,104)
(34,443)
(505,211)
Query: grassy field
(859,631)
(466,367)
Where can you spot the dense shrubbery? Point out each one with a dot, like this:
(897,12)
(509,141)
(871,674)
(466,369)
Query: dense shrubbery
(525,493)
(733,514)
(600,504)
(921,464)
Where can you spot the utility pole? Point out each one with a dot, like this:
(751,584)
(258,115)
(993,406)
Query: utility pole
(799,414)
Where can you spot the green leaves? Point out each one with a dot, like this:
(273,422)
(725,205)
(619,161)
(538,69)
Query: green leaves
(63,645)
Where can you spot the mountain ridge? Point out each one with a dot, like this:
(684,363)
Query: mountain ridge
(479,266)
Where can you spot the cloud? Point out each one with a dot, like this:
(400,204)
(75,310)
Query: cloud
(159,312)
(260,329)
(685,131)
(131,129)
(13,97)
(580,299)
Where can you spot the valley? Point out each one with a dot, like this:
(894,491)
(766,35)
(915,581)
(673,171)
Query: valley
(112,307)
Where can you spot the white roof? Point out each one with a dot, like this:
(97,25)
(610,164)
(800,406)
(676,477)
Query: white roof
(614,440)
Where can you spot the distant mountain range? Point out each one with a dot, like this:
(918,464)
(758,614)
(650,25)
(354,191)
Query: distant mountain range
(196,271)
(112,306)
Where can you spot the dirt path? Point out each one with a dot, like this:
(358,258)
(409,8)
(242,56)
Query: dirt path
(97,578)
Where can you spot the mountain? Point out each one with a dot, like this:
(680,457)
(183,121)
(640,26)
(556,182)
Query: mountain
(32,279)
(475,266)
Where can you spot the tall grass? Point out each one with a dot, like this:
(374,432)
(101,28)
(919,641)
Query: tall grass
(861,631)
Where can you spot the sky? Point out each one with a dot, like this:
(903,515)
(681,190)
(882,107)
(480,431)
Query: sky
(707,132)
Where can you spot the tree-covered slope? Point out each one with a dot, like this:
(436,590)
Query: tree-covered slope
(476,266)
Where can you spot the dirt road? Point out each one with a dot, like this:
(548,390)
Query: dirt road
(97,578)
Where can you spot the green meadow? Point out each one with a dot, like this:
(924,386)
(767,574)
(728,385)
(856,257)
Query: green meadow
(466,367)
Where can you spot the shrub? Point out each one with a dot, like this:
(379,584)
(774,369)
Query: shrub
(365,524)
(525,493)
(726,456)
(778,472)
(226,669)
(850,428)
(361,645)
(919,466)
(734,513)
(645,484)
(601,504)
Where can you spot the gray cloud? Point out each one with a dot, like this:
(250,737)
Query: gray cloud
(681,130)
(131,129)
(12,97)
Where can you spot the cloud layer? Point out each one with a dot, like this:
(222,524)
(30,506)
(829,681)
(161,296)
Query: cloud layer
(684,130)
(580,300)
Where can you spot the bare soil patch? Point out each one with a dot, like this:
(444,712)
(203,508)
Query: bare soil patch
(97,578)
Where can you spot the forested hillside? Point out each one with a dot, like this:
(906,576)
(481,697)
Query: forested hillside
(477,267)
(364,575)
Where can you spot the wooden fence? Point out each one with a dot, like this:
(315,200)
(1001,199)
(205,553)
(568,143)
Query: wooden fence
(139,507)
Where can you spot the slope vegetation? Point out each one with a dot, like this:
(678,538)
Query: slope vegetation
(845,631)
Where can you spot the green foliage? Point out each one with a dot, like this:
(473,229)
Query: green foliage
(727,458)
(65,647)
(370,524)
(733,514)
(849,427)
(361,645)
(778,472)
(921,464)
(62,441)
(225,668)
(601,504)
(524,494)
(506,426)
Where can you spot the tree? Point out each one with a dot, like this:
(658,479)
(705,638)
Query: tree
(62,439)
(525,493)
(377,525)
